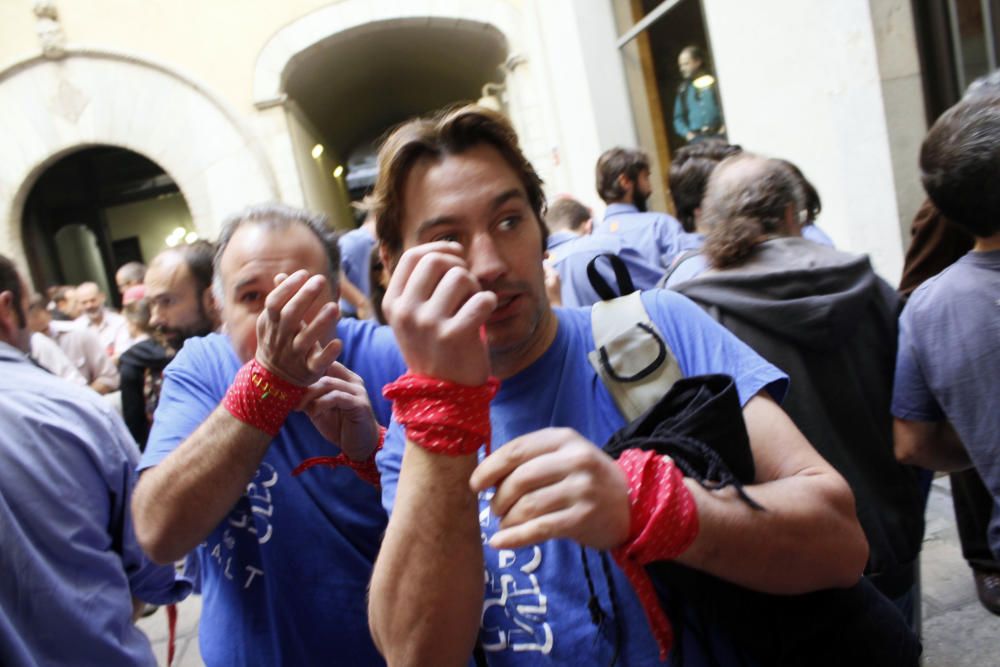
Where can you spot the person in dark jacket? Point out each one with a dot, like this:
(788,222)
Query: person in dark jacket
(827,320)
(181,306)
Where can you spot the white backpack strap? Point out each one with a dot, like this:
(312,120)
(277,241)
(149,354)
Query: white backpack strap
(630,354)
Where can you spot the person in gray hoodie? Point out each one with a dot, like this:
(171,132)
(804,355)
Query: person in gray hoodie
(827,320)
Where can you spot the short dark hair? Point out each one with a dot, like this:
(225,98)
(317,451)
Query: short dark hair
(960,164)
(739,211)
(274,215)
(567,213)
(615,162)
(695,52)
(10,281)
(689,171)
(200,260)
(450,132)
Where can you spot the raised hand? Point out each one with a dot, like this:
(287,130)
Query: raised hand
(436,308)
(338,405)
(554,483)
(296,331)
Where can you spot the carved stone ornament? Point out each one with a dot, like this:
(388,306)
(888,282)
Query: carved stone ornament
(48,29)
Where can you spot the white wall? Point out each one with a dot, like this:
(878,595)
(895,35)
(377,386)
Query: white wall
(801,80)
(587,90)
(320,190)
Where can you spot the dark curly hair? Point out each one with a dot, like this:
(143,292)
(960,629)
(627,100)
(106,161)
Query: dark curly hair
(616,162)
(960,164)
(689,171)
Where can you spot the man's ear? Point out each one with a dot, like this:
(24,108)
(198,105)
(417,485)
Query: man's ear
(792,225)
(388,261)
(587,228)
(8,318)
(627,186)
(208,303)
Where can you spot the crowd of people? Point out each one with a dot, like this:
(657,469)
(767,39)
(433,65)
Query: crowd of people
(395,448)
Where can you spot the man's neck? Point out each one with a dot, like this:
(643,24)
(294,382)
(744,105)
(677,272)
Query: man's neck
(987,243)
(509,363)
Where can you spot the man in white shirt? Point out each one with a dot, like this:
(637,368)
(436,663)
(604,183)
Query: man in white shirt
(110,327)
(80,345)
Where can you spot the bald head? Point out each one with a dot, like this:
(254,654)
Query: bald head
(130,274)
(749,198)
(91,300)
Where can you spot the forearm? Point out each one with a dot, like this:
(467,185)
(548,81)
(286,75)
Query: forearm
(178,502)
(100,387)
(354,296)
(931,445)
(427,588)
(807,537)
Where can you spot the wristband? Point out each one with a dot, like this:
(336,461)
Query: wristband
(261,399)
(366,470)
(664,523)
(443,417)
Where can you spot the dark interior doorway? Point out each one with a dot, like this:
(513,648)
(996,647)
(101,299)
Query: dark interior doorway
(69,229)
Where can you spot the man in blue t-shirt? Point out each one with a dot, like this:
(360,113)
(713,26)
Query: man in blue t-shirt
(284,558)
(459,212)
(945,399)
(570,247)
(623,183)
(356,260)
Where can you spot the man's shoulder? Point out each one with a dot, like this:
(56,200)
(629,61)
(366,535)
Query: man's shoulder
(370,349)
(214,350)
(586,247)
(41,388)
(937,291)
(355,238)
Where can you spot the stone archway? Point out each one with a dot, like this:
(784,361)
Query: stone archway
(339,24)
(50,108)
(348,15)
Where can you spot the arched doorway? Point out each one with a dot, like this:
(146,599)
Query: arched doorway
(343,90)
(96,209)
(95,98)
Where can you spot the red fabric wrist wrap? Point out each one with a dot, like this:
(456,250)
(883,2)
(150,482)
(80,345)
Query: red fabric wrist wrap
(261,399)
(443,417)
(664,523)
(366,470)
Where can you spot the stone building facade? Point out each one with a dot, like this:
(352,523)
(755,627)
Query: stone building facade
(243,101)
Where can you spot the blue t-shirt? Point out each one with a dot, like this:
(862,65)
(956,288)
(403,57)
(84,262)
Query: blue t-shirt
(948,362)
(284,576)
(70,559)
(656,237)
(535,609)
(570,259)
(356,259)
